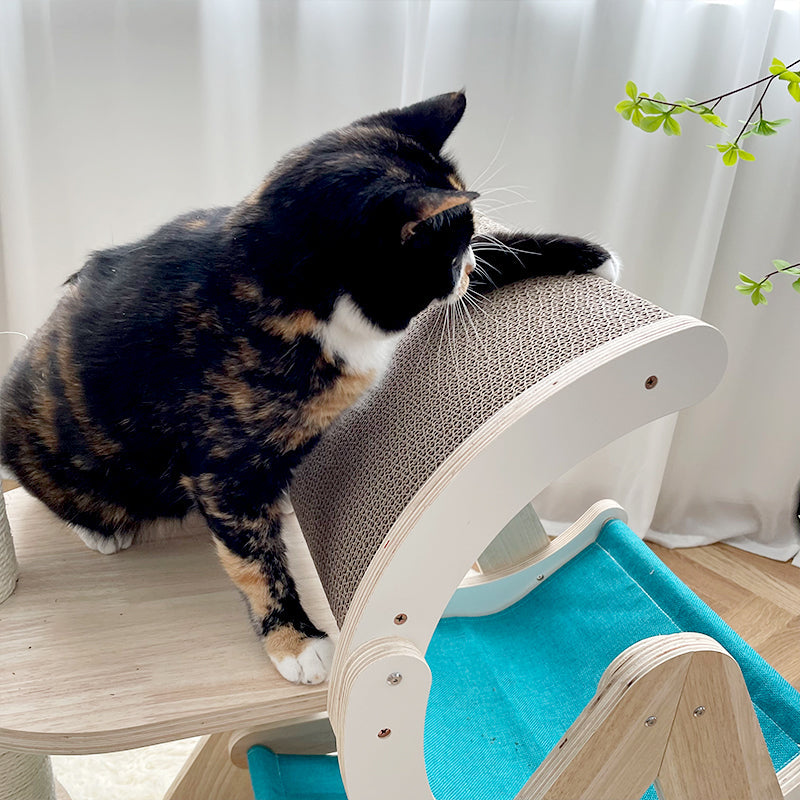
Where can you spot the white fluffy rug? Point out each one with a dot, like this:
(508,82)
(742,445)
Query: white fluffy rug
(143,774)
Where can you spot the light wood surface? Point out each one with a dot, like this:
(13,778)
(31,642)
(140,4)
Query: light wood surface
(101,653)
(209,774)
(522,537)
(758,597)
(716,748)
(644,723)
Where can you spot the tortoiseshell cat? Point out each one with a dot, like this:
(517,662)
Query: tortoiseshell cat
(195,368)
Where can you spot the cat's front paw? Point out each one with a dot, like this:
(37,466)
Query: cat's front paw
(610,269)
(300,658)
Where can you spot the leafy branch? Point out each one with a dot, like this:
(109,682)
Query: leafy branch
(757,289)
(651,113)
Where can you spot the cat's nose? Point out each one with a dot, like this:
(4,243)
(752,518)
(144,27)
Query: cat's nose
(470,265)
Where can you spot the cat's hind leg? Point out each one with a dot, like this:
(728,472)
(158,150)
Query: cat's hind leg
(105,543)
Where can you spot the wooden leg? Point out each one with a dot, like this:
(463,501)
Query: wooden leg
(673,710)
(210,774)
(716,748)
(26,776)
(61,792)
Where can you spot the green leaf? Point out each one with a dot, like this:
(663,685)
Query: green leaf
(723,148)
(779,123)
(745,289)
(763,128)
(671,126)
(791,271)
(625,108)
(744,155)
(780,264)
(631,90)
(746,279)
(712,119)
(796,285)
(766,285)
(758,298)
(651,124)
(794,90)
(637,117)
(789,76)
(730,156)
(649,107)
(777,66)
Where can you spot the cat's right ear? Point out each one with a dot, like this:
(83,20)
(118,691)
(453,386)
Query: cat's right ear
(427,203)
(430,121)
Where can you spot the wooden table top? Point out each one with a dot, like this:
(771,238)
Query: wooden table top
(101,653)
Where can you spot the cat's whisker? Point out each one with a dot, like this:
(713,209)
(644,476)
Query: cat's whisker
(511,189)
(477,182)
(504,206)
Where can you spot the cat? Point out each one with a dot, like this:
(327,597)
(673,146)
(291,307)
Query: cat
(194,369)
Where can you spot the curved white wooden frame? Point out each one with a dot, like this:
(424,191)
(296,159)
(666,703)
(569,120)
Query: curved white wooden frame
(554,425)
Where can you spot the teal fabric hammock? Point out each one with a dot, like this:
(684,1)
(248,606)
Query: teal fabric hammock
(507,686)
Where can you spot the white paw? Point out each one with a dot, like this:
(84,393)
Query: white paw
(107,545)
(610,269)
(311,666)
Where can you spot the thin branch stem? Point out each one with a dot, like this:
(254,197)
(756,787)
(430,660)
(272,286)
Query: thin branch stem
(718,98)
(755,108)
(778,272)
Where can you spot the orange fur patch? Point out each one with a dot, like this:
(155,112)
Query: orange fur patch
(249,579)
(320,411)
(456,182)
(285,642)
(290,327)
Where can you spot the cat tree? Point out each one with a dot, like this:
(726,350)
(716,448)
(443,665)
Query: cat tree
(401,500)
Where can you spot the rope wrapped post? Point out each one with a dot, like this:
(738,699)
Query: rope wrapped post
(26,776)
(9,569)
(23,776)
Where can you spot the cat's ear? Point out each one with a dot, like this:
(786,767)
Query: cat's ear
(430,122)
(427,203)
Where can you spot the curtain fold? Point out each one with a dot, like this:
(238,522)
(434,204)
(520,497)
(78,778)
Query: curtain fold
(115,116)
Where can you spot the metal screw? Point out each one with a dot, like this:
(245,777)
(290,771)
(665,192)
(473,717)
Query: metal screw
(540,577)
(651,382)
(400,619)
(394,678)
(384,732)
(699,711)
(650,721)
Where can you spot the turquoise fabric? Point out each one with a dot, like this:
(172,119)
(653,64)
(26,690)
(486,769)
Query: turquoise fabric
(506,687)
(288,777)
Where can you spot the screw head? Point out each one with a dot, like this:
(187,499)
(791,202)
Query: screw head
(540,577)
(384,732)
(651,382)
(394,678)
(400,619)
(650,721)
(699,711)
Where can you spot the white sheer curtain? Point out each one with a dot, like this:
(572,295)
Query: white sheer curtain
(117,114)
